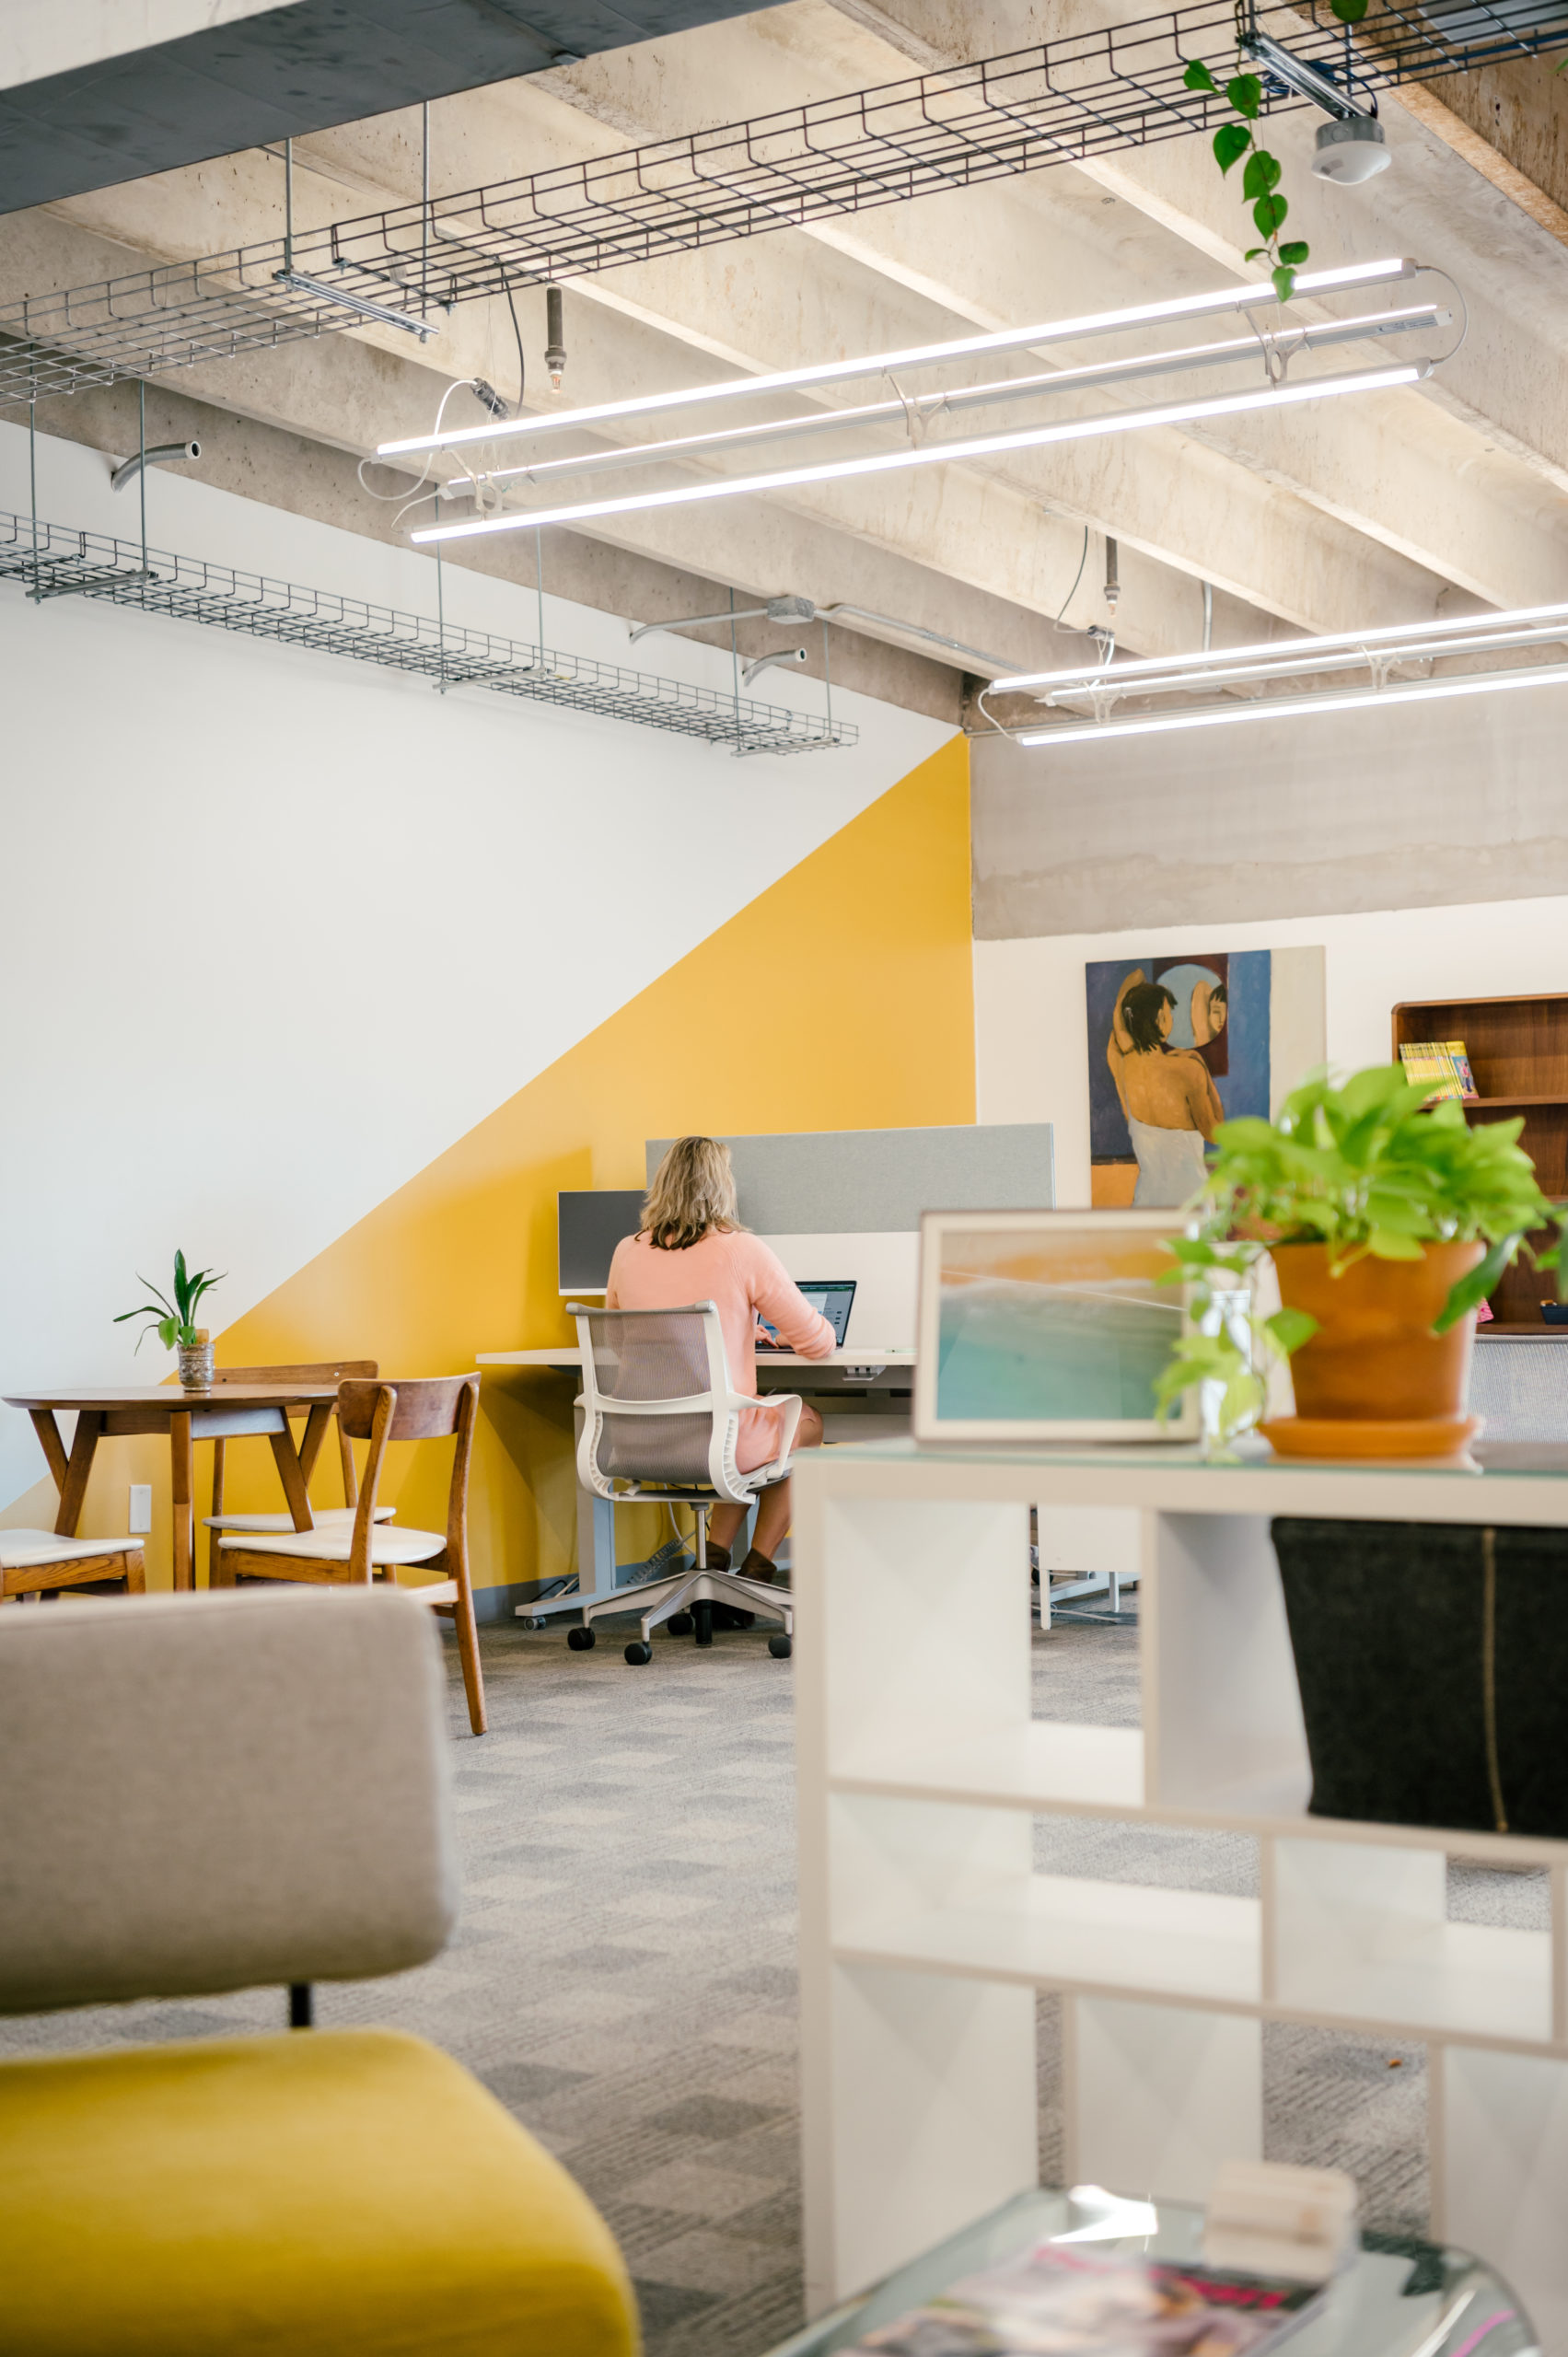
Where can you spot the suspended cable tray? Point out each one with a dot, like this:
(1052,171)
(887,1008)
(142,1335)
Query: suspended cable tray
(1090,93)
(51,561)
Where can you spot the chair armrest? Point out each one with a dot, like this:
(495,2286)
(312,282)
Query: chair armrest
(792,1404)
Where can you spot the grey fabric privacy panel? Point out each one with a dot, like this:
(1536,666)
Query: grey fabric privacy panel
(842,1182)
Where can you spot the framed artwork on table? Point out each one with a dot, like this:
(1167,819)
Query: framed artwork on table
(1047,1326)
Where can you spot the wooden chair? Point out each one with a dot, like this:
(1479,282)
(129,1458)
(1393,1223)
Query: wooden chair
(323,1518)
(429,1408)
(39,1563)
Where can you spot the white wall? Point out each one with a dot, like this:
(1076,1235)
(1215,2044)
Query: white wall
(276,928)
(1031,1041)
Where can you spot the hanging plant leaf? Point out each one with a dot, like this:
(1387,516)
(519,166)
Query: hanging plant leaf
(1231,141)
(1348,12)
(1285,282)
(1263,174)
(1294,251)
(1198,77)
(1245,94)
(1270,213)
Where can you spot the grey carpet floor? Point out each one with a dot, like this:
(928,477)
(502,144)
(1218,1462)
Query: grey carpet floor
(623,1976)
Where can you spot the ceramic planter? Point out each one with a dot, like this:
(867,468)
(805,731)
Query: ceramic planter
(1375,1380)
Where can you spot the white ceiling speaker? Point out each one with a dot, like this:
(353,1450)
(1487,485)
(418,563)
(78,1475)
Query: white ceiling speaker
(1351,152)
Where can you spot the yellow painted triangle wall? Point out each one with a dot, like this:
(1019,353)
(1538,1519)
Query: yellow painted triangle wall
(842,998)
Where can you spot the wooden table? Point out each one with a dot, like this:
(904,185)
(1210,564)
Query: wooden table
(227,1412)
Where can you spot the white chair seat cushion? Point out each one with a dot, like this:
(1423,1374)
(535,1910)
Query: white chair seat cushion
(387,1544)
(324,1518)
(22,1550)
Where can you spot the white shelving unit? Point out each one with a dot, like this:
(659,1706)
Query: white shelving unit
(925,1931)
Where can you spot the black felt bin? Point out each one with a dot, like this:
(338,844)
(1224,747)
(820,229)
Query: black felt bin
(1432,1664)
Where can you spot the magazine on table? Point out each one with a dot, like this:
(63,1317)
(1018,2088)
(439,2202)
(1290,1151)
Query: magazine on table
(1056,2302)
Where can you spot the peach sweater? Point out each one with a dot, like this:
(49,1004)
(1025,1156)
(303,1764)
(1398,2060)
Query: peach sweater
(738,1272)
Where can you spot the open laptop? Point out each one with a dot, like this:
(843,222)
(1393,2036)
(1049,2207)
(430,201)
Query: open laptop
(833,1301)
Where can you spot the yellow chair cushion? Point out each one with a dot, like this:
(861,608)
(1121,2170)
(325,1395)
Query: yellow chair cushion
(316,2194)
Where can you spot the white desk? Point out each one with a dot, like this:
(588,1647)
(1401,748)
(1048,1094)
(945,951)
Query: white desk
(861,1394)
(925,1931)
(567,1357)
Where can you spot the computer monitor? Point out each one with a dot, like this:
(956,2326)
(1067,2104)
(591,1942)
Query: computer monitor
(832,1300)
(590,1222)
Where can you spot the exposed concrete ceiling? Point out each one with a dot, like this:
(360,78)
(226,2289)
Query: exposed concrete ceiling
(275,72)
(1317,519)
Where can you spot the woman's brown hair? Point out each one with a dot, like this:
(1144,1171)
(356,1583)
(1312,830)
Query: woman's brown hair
(692,1194)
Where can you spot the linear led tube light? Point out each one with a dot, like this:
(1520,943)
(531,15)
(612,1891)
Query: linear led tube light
(930,406)
(1069,429)
(1295,707)
(1174,681)
(1199,668)
(361,303)
(828,372)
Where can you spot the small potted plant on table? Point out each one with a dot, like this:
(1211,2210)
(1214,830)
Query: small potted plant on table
(1387,1223)
(174,1322)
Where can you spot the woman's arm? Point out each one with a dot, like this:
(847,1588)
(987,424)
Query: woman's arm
(775,1293)
(1202,1097)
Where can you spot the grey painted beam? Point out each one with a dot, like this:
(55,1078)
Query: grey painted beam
(291,70)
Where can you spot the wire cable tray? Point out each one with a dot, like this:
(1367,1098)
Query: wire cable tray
(53,561)
(1062,101)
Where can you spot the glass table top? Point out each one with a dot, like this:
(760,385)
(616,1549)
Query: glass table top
(1537,1459)
(1402,2298)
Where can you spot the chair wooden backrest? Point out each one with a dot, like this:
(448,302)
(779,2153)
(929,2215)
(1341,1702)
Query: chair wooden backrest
(326,1371)
(415,1408)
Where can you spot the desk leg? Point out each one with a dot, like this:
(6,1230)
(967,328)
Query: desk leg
(292,1473)
(53,1447)
(315,1424)
(73,1488)
(179,1493)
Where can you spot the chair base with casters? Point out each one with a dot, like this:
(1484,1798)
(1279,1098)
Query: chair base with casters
(662,1422)
(39,1563)
(691,1596)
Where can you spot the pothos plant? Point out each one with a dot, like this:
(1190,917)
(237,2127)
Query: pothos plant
(1367,1167)
(1261,180)
(174,1322)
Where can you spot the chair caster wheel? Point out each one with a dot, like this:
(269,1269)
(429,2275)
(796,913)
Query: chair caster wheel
(582,1641)
(781,1647)
(680,1624)
(637,1653)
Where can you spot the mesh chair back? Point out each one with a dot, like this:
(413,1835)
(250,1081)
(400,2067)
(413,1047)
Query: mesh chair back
(647,1355)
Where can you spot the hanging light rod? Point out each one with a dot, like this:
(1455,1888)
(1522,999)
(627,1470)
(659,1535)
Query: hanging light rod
(829,372)
(1097,732)
(924,409)
(1073,429)
(1396,643)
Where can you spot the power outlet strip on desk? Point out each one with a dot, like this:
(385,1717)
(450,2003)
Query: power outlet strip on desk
(925,1930)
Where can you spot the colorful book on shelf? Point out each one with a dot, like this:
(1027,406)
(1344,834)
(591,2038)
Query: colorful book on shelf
(1442,1063)
(1075,2303)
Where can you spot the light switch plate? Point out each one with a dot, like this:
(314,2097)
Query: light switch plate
(140,1518)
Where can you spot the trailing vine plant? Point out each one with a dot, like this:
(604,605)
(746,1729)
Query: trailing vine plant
(1261,178)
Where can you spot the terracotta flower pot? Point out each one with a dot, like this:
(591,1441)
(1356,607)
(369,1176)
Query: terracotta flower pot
(1375,1357)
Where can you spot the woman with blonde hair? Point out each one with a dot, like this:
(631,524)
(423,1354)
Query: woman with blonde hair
(691,1248)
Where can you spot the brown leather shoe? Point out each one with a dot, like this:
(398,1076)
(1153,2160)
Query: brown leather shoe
(759,1566)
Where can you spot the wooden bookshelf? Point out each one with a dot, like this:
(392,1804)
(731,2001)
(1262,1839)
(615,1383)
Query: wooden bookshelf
(1518,1052)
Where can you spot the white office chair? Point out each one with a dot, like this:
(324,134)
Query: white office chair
(660,1422)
